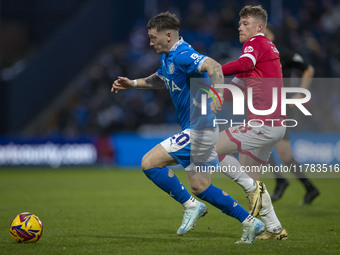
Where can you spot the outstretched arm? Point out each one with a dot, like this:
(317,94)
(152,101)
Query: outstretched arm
(151,82)
(241,65)
(214,71)
(307,76)
(306,81)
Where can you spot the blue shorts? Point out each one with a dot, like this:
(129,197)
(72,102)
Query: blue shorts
(193,147)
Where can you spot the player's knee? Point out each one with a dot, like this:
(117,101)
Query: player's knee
(150,162)
(198,188)
(285,156)
(145,164)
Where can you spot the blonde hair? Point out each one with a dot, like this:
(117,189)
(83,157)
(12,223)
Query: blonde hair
(255,11)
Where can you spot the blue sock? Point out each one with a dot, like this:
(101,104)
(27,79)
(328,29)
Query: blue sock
(227,204)
(170,185)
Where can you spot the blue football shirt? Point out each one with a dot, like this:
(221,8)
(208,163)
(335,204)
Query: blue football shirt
(177,67)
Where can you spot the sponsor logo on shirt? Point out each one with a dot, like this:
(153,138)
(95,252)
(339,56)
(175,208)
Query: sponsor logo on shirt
(248,49)
(275,49)
(171,68)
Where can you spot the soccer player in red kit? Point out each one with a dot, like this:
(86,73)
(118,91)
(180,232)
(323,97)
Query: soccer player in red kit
(258,69)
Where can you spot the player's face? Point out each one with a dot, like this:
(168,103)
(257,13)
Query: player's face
(248,27)
(158,40)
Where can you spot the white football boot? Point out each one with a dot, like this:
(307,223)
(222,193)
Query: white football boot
(250,232)
(190,218)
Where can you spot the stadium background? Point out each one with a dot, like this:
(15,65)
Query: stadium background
(57,62)
(59,58)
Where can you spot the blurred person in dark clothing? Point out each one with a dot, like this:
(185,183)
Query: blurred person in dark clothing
(291,60)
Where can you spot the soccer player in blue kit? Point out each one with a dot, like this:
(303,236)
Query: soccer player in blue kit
(195,144)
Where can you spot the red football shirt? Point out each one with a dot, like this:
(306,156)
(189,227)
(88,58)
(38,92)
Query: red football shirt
(258,68)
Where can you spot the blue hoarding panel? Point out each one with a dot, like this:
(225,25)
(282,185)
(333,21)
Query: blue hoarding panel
(53,152)
(312,147)
(307,147)
(130,148)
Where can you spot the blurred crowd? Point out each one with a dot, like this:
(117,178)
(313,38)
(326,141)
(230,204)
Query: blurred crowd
(313,30)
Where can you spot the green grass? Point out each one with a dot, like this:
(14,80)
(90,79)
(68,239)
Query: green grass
(97,211)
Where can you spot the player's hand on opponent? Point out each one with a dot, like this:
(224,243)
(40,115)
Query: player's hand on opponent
(121,83)
(215,107)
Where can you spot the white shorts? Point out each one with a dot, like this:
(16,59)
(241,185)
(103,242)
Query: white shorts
(192,147)
(256,142)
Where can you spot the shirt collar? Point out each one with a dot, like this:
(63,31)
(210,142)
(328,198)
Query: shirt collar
(180,41)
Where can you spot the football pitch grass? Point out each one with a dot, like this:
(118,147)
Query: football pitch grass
(110,211)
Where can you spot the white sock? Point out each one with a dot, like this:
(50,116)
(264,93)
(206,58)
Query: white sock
(268,214)
(232,168)
(191,202)
(248,221)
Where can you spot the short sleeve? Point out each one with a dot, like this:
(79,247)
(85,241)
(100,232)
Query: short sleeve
(189,61)
(291,59)
(159,73)
(298,62)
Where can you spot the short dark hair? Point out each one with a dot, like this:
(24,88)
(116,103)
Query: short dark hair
(255,11)
(163,21)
